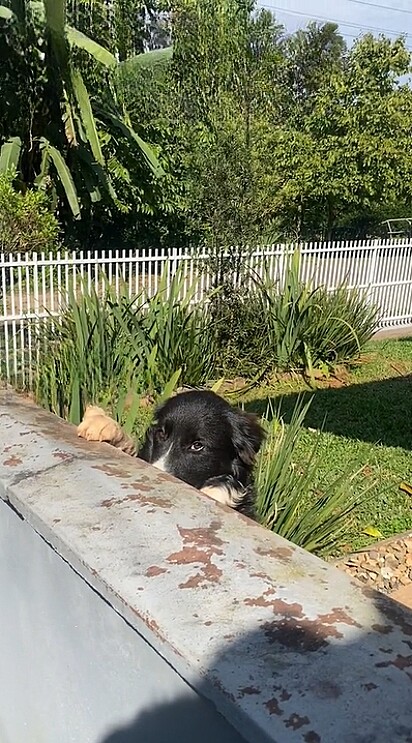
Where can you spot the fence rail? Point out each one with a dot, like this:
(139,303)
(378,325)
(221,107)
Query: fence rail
(35,288)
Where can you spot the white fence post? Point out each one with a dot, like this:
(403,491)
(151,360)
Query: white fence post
(371,275)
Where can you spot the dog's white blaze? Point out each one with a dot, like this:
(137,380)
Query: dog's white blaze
(221,494)
(162,462)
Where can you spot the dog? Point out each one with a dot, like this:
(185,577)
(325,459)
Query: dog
(197,437)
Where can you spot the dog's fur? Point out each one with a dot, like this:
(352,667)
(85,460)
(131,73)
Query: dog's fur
(199,438)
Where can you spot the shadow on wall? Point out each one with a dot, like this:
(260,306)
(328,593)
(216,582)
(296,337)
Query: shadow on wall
(318,687)
(373,411)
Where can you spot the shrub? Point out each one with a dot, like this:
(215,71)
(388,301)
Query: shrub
(291,328)
(26,222)
(103,347)
(309,328)
(317,516)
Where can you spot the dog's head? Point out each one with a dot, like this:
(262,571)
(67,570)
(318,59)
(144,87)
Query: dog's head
(197,436)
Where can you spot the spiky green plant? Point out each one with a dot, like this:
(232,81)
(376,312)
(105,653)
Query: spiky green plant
(291,501)
(309,327)
(104,346)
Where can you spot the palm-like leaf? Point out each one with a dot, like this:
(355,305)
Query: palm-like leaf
(68,95)
(51,154)
(5,13)
(81,41)
(10,154)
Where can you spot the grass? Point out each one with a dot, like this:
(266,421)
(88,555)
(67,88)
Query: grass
(365,418)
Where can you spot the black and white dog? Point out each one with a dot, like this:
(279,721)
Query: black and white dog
(199,438)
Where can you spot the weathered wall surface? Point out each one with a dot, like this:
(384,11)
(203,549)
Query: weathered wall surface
(136,610)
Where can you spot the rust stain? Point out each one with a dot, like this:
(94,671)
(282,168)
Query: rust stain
(311,737)
(140,486)
(296,631)
(296,722)
(153,625)
(263,576)
(64,456)
(395,612)
(283,554)
(278,605)
(144,500)
(383,629)
(341,616)
(111,470)
(219,685)
(109,502)
(248,691)
(284,695)
(12,461)
(272,706)
(370,686)
(401,662)
(154,570)
(200,545)
(300,635)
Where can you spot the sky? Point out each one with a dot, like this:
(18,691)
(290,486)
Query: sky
(354,17)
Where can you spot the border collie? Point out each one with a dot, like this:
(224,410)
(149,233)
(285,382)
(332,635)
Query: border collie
(197,437)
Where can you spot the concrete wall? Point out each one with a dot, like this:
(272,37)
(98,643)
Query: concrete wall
(136,610)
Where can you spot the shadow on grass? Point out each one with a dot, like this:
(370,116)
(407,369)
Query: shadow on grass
(377,412)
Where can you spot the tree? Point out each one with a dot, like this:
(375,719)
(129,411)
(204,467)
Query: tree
(348,157)
(311,56)
(52,130)
(224,71)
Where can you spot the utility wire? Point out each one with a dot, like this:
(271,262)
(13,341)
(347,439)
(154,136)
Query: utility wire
(333,20)
(382,7)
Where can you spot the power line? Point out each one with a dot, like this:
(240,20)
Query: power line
(382,7)
(333,20)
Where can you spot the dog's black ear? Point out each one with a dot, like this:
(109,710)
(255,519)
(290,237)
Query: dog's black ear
(248,435)
(146,450)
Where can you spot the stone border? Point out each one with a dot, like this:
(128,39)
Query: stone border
(285,646)
(385,565)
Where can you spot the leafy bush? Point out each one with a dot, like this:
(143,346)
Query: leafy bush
(103,347)
(291,501)
(269,328)
(26,222)
(309,328)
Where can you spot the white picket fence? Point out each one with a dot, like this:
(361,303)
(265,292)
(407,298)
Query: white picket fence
(35,288)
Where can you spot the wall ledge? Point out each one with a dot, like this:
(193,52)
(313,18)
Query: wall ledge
(287,647)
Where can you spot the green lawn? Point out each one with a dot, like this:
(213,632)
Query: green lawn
(366,421)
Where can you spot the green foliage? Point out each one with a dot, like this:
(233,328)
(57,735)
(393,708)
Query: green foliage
(26,222)
(308,328)
(342,153)
(287,325)
(103,346)
(51,127)
(291,501)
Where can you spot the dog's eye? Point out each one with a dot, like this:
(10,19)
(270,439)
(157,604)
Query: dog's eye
(196,446)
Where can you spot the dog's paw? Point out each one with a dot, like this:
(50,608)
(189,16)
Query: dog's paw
(97,426)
